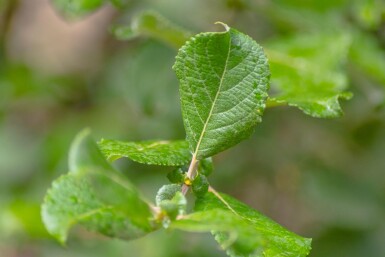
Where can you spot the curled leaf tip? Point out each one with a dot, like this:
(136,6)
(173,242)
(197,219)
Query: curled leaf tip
(227,28)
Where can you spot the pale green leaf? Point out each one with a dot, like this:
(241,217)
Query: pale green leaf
(121,3)
(76,8)
(167,192)
(307,73)
(367,54)
(223,88)
(96,196)
(123,32)
(153,25)
(242,231)
(169,153)
(85,154)
(171,202)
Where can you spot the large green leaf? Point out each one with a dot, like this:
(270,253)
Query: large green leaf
(76,8)
(242,231)
(307,73)
(169,153)
(154,25)
(223,87)
(96,196)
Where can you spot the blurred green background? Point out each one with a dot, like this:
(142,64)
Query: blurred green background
(322,178)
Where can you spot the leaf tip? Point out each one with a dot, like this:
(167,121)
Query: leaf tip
(227,28)
(73,153)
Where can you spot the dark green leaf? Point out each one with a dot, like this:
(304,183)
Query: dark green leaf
(96,196)
(169,153)
(76,8)
(307,73)
(178,175)
(200,185)
(241,230)
(206,167)
(153,25)
(223,87)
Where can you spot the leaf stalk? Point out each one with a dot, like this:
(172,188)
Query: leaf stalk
(191,173)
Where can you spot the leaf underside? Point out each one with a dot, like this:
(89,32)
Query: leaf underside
(223,88)
(168,153)
(96,196)
(242,231)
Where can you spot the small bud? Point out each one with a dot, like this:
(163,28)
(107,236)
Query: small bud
(187,182)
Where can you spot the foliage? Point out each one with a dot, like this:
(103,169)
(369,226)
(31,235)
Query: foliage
(303,76)
(169,153)
(224,81)
(117,211)
(319,178)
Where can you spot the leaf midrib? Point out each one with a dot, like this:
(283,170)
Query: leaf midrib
(215,99)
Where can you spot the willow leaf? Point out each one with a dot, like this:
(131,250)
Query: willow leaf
(241,230)
(223,88)
(96,196)
(169,153)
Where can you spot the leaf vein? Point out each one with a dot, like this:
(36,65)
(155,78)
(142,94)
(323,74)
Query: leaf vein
(215,99)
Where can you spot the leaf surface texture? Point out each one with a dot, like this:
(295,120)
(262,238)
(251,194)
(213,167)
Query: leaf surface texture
(223,88)
(169,153)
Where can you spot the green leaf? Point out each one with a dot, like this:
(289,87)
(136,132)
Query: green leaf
(121,3)
(154,25)
(206,167)
(85,154)
(178,175)
(169,153)
(173,207)
(96,196)
(200,185)
(307,73)
(171,201)
(76,8)
(241,230)
(223,88)
(167,192)
(367,54)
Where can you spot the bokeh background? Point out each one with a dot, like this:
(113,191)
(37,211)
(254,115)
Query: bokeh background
(322,178)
